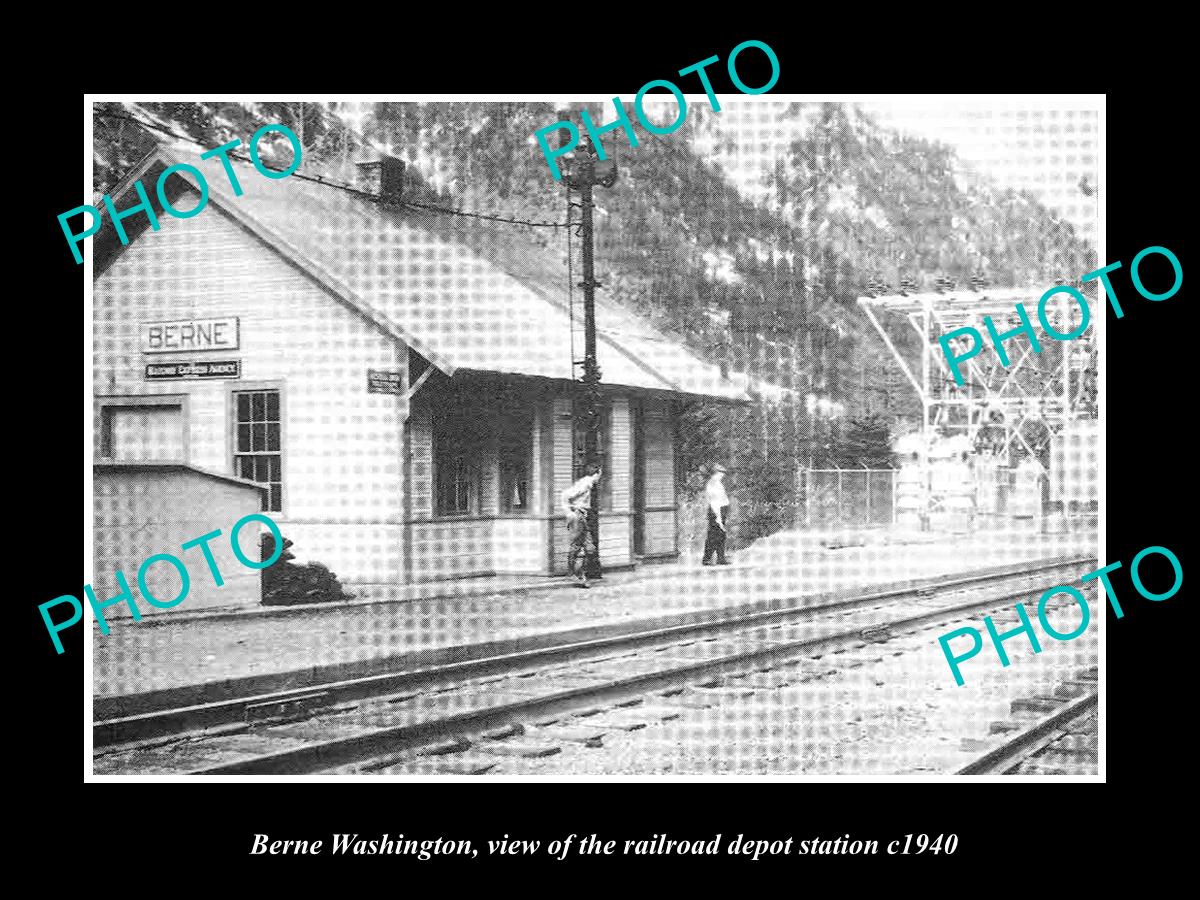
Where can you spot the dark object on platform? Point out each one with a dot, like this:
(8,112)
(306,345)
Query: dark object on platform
(287,584)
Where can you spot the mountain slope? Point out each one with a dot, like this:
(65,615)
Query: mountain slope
(764,285)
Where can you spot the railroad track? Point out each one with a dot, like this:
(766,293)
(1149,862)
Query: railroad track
(367,724)
(1053,735)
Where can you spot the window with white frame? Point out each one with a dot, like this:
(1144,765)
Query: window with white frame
(258,442)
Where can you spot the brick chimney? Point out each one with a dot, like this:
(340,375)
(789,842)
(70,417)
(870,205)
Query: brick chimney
(382,176)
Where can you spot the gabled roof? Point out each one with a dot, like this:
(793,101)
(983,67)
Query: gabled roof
(470,296)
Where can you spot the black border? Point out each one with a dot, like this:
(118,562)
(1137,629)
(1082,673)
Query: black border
(1148,470)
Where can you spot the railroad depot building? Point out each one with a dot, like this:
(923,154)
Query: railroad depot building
(399,380)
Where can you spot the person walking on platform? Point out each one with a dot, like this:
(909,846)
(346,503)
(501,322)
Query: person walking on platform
(718,506)
(577,502)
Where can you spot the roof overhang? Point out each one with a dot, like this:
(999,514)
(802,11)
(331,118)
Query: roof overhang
(739,398)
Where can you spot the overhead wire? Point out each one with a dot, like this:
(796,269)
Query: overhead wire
(320,179)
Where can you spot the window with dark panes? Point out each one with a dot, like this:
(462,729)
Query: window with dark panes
(258,446)
(516,458)
(454,449)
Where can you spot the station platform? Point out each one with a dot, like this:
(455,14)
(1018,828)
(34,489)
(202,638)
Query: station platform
(181,658)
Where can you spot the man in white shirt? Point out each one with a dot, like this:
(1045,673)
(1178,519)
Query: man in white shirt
(577,502)
(718,507)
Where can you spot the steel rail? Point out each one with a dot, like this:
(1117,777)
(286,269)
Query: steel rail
(339,752)
(180,720)
(1026,743)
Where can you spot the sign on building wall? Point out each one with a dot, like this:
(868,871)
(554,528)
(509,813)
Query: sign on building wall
(226,368)
(381,381)
(190,335)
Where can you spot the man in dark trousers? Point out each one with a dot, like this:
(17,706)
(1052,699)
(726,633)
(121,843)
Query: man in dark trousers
(577,501)
(718,507)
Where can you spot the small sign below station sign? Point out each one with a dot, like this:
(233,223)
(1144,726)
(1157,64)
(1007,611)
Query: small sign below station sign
(382,381)
(190,335)
(226,368)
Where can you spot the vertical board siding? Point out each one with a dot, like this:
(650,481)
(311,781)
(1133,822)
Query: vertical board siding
(546,503)
(489,480)
(620,455)
(616,540)
(659,442)
(564,463)
(541,502)
(420,450)
(441,548)
(341,445)
(562,467)
(660,533)
(660,457)
(480,544)
(616,533)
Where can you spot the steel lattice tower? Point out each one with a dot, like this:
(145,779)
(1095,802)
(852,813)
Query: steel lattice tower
(1018,407)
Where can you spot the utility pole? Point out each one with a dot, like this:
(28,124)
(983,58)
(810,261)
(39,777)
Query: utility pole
(584,171)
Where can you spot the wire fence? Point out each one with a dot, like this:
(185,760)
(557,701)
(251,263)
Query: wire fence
(832,499)
(820,499)
(996,492)
(837,498)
